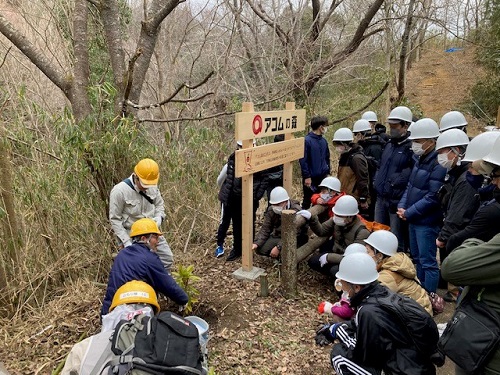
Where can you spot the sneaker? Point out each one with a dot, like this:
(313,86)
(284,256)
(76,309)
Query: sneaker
(233,256)
(219,251)
(449,297)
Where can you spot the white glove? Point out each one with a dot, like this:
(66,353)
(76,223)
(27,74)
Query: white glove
(127,243)
(304,213)
(182,307)
(325,307)
(323,260)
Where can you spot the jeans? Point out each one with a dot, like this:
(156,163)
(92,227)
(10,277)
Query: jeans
(399,227)
(423,251)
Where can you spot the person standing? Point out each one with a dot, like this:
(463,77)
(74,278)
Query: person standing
(459,200)
(315,165)
(230,195)
(353,170)
(420,205)
(393,173)
(135,198)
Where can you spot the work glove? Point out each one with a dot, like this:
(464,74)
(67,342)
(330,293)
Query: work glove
(127,243)
(323,260)
(182,307)
(304,213)
(325,307)
(326,334)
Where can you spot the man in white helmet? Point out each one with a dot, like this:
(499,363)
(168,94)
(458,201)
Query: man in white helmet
(459,200)
(376,339)
(484,225)
(268,240)
(420,206)
(393,173)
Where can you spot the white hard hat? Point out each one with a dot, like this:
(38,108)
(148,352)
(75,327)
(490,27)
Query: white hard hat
(493,156)
(401,113)
(354,248)
(358,269)
(369,116)
(383,241)
(278,195)
(361,126)
(332,183)
(480,145)
(452,138)
(343,135)
(346,205)
(453,119)
(424,128)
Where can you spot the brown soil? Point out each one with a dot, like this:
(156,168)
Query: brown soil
(440,82)
(249,334)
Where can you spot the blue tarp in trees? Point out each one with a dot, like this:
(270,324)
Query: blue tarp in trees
(454,49)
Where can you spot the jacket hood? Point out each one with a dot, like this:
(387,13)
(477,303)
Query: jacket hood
(399,263)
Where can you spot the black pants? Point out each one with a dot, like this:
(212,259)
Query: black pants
(225,222)
(236,210)
(329,269)
(344,366)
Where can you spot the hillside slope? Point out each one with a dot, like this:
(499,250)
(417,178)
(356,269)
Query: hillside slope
(440,82)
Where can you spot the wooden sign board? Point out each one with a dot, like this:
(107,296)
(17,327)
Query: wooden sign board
(256,159)
(250,125)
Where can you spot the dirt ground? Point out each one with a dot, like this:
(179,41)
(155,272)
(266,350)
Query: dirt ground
(248,334)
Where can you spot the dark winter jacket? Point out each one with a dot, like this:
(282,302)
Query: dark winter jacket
(138,262)
(394,170)
(272,224)
(353,174)
(459,201)
(484,225)
(376,339)
(231,187)
(316,160)
(373,146)
(420,199)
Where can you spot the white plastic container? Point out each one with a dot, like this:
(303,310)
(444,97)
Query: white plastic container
(202,327)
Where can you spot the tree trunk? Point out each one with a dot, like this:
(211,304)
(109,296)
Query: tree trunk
(288,254)
(404,48)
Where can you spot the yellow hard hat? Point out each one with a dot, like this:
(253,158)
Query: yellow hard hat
(144,226)
(135,292)
(148,172)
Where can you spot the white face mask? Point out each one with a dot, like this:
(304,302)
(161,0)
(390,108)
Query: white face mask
(325,196)
(444,162)
(340,221)
(324,130)
(340,149)
(278,210)
(417,149)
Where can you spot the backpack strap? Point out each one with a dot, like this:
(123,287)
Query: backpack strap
(144,195)
(103,360)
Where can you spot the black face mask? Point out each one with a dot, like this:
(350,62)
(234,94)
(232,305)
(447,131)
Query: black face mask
(476,181)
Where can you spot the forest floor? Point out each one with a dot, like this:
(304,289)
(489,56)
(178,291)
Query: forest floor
(248,334)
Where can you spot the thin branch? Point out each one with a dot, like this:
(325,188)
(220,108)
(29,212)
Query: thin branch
(171,97)
(36,148)
(260,12)
(359,110)
(130,75)
(5,57)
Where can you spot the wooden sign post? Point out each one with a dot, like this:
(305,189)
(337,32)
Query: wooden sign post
(249,160)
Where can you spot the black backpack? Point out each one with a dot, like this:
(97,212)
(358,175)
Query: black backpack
(419,324)
(163,344)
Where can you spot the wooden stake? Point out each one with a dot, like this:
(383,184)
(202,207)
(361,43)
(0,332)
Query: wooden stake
(289,254)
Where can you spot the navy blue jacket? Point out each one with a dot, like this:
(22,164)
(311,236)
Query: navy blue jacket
(316,160)
(394,170)
(137,262)
(421,196)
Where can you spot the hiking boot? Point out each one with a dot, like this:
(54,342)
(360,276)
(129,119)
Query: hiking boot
(219,251)
(233,255)
(449,297)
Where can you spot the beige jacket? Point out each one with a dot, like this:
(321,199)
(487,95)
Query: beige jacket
(399,275)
